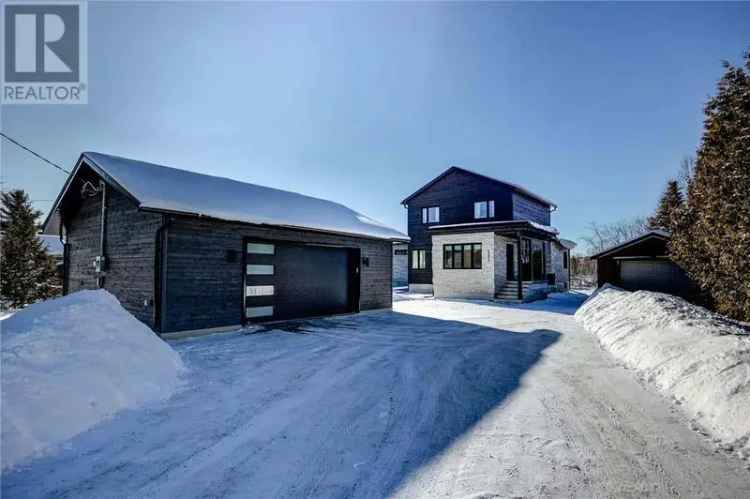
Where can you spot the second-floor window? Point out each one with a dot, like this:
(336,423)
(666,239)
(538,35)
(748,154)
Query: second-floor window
(431,215)
(484,209)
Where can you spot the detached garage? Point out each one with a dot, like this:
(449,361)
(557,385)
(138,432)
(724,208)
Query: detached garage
(643,263)
(184,251)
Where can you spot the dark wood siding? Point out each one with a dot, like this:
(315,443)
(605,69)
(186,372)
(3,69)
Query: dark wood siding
(204,289)
(129,247)
(455,194)
(525,208)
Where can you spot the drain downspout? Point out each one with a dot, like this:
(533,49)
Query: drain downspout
(160,274)
(101,263)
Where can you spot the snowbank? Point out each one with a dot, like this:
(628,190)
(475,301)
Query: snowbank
(698,357)
(72,362)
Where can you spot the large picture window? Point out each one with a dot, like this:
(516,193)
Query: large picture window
(431,215)
(462,256)
(419,259)
(484,209)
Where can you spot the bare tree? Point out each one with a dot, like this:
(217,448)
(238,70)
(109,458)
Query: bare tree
(602,236)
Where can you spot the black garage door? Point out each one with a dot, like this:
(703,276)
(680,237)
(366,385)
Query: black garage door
(287,281)
(652,275)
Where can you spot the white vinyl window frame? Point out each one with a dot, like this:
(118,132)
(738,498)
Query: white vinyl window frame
(484,209)
(431,215)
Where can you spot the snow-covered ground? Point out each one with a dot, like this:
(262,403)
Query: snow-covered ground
(699,358)
(434,399)
(72,362)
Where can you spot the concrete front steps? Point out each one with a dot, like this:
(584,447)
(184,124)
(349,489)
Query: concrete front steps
(509,292)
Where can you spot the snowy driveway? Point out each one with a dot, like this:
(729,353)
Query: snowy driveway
(436,398)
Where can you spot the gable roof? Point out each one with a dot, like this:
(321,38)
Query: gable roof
(453,169)
(170,190)
(656,233)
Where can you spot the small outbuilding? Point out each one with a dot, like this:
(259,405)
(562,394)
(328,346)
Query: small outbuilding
(187,251)
(643,263)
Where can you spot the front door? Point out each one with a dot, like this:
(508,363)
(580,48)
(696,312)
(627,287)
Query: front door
(537,260)
(510,262)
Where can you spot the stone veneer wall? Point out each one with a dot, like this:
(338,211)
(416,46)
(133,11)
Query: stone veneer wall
(464,283)
(561,274)
(501,257)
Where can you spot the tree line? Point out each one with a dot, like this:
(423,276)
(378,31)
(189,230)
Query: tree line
(27,272)
(706,208)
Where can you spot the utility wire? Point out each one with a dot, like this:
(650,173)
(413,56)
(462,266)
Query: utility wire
(32,152)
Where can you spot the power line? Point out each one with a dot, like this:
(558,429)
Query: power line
(32,152)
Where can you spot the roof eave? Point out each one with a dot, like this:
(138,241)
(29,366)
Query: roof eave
(516,188)
(88,161)
(656,234)
(499,227)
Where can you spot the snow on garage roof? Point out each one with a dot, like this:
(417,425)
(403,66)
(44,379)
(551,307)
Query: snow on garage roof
(160,188)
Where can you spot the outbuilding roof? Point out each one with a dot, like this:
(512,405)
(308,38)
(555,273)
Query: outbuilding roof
(656,233)
(452,169)
(170,190)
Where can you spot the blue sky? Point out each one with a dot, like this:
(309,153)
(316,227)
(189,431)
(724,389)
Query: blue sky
(591,105)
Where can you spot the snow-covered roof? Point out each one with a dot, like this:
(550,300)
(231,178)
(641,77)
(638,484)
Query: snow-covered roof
(567,243)
(535,225)
(161,188)
(515,187)
(52,244)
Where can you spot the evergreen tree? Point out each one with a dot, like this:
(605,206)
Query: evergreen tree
(670,204)
(712,235)
(28,272)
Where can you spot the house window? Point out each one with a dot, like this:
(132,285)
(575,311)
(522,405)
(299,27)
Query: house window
(565,259)
(419,259)
(462,256)
(431,215)
(484,209)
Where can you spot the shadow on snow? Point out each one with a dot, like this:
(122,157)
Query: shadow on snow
(353,407)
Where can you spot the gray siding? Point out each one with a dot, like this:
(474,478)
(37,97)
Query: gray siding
(130,249)
(525,208)
(204,290)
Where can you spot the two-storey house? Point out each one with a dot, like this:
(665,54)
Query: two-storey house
(473,236)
